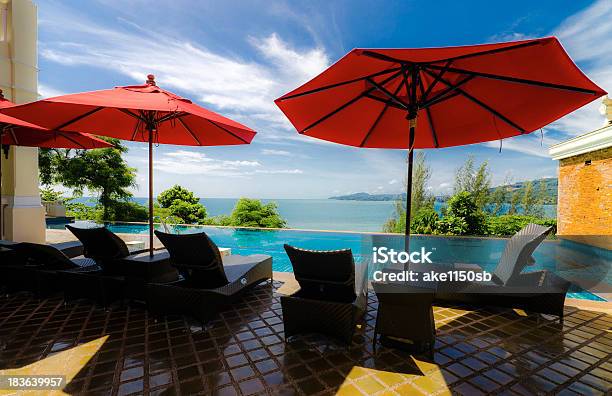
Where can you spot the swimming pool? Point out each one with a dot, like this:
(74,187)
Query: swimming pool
(563,257)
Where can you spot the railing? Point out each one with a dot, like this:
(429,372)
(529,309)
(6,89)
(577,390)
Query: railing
(54,208)
(168,221)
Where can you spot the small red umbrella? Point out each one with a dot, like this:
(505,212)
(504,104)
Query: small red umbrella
(143,113)
(16,132)
(461,95)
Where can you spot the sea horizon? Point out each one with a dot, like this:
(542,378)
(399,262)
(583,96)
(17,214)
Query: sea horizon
(317,213)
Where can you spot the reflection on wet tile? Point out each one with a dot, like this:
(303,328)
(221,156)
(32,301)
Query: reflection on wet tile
(243,351)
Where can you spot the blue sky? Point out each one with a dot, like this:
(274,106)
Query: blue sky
(236,57)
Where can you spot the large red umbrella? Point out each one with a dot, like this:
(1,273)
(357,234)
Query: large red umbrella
(143,113)
(460,95)
(16,132)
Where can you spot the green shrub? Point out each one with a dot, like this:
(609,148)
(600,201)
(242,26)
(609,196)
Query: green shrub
(461,208)
(189,212)
(81,211)
(252,213)
(507,225)
(452,225)
(127,211)
(425,221)
(221,220)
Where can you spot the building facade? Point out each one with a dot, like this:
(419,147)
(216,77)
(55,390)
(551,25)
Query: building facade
(584,211)
(23,214)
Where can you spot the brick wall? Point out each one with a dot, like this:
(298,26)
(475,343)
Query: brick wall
(584,211)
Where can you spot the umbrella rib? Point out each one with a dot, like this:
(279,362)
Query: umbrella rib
(482,104)
(376,55)
(388,94)
(429,117)
(171,116)
(226,130)
(446,97)
(73,120)
(315,90)
(65,135)
(447,94)
(14,135)
(435,81)
(347,104)
(385,101)
(379,117)
(517,80)
(180,120)
(491,51)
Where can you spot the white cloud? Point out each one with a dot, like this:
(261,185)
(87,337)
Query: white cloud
(393,181)
(534,144)
(282,153)
(586,37)
(237,87)
(300,67)
(46,91)
(184,162)
(280,171)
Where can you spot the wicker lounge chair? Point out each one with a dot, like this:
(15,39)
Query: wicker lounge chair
(122,276)
(209,281)
(332,295)
(35,267)
(538,291)
(103,246)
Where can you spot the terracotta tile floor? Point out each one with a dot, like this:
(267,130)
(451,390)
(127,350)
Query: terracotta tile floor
(123,350)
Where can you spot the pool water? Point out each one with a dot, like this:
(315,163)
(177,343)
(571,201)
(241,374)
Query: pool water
(568,259)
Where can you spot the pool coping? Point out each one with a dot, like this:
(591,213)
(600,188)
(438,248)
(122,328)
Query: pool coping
(317,230)
(157,244)
(590,305)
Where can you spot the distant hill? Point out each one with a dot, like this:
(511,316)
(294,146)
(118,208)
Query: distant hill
(551,188)
(551,192)
(362,196)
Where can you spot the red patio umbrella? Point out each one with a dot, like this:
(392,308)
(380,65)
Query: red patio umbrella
(460,95)
(143,113)
(16,132)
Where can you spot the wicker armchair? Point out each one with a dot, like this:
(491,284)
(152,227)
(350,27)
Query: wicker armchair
(332,295)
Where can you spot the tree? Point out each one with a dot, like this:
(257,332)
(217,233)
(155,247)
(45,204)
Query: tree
(498,198)
(167,198)
(182,203)
(50,195)
(102,171)
(476,182)
(514,202)
(252,213)
(530,200)
(541,199)
(421,198)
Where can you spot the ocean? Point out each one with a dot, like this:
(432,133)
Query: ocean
(320,214)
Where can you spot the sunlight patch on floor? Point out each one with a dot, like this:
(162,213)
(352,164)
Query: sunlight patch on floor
(427,379)
(67,363)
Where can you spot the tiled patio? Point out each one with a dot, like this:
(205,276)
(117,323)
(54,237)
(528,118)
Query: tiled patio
(124,350)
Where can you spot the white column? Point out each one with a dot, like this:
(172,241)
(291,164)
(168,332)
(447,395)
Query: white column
(24,216)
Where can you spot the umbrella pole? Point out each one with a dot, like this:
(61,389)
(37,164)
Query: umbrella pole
(1,204)
(409,185)
(151,192)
